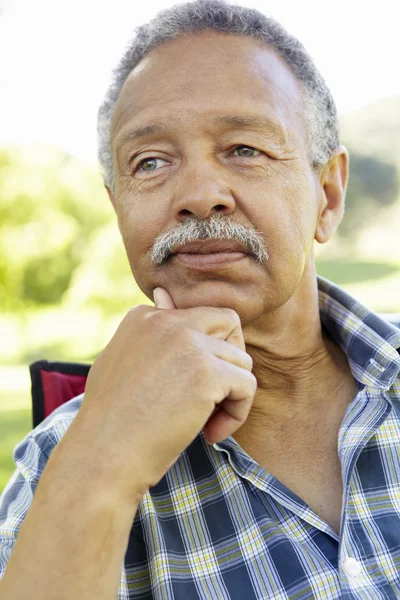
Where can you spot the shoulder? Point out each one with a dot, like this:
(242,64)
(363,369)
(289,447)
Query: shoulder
(32,452)
(52,429)
(393,318)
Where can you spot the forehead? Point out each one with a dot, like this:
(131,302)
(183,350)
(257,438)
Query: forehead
(198,78)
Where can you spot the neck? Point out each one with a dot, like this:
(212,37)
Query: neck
(296,364)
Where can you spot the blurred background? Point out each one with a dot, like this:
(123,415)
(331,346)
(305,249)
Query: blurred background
(65,282)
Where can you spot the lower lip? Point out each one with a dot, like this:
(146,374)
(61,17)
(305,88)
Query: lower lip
(208,261)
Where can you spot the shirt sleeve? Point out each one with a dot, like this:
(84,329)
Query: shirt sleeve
(17,496)
(30,457)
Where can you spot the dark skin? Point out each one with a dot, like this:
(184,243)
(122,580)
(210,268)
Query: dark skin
(304,380)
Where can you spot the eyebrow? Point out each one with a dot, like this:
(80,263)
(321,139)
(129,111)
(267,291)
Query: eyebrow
(262,123)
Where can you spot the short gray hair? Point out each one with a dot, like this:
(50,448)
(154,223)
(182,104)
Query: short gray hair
(320,110)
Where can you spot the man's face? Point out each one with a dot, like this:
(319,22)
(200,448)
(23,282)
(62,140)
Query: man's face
(208,156)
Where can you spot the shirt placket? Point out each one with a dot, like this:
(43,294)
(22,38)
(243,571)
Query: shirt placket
(362,420)
(264,484)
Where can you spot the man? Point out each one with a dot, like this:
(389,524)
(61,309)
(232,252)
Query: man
(241,438)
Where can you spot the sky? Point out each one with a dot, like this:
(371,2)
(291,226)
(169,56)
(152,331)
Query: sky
(56,57)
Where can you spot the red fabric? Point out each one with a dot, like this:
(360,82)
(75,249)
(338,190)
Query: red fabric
(58,388)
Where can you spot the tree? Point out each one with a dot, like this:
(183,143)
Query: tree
(50,206)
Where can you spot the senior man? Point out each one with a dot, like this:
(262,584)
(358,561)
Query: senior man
(240,439)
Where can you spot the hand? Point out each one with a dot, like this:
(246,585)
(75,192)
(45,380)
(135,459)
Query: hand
(165,375)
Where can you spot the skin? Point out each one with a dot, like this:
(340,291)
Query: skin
(304,381)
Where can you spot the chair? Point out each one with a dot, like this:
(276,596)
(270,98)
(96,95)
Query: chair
(53,384)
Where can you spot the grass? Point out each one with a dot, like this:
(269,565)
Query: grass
(15,415)
(352,271)
(375,284)
(14,425)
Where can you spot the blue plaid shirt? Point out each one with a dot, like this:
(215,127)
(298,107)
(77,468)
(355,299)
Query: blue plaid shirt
(218,526)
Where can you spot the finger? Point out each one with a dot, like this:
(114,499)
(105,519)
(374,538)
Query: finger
(162,299)
(234,409)
(224,350)
(219,426)
(221,323)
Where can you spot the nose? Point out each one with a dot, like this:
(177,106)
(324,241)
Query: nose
(201,191)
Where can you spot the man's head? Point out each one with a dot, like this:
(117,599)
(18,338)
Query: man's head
(241,139)
(319,106)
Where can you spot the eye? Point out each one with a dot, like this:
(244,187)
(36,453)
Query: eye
(247,151)
(149,164)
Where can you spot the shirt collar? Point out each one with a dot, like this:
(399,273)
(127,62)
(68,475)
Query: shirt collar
(372,345)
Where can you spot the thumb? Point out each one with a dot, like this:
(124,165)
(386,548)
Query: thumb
(162,299)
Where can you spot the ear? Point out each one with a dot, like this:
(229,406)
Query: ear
(112,198)
(333,183)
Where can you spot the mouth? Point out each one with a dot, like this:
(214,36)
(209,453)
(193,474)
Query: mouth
(208,261)
(209,254)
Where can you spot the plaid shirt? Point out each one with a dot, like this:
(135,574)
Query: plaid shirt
(218,526)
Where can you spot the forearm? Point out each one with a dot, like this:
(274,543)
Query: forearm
(73,540)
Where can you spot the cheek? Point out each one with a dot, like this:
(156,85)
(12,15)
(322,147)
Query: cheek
(139,226)
(138,239)
(299,199)
(140,218)
(285,213)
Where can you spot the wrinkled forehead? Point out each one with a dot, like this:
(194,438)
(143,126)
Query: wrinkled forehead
(210,73)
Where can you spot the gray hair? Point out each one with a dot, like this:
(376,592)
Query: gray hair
(320,110)
(217,227)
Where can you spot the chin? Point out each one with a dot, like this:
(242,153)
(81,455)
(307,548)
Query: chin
(249,306)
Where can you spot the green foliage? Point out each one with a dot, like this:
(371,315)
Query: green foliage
(373,184)
(373,178)
(103,280)
(65,281)
(372,136)
(50,207)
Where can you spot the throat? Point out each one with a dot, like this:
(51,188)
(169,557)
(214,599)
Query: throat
(296,441)
(311,472)
(298,417)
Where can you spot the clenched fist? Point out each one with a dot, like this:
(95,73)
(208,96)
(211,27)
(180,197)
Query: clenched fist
(165,375)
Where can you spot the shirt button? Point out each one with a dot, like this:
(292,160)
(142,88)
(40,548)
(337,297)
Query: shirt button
(352,567)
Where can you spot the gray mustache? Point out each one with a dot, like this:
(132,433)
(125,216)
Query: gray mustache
(216,227)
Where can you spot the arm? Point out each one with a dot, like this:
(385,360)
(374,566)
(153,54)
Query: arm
(133,424)
(73,540)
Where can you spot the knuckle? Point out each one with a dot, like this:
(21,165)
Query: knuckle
(232,315)
(184,336)
(201,372)
(249,361)
(203,364)
(139,309)
(154,321)
(253,382)
(154,316)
